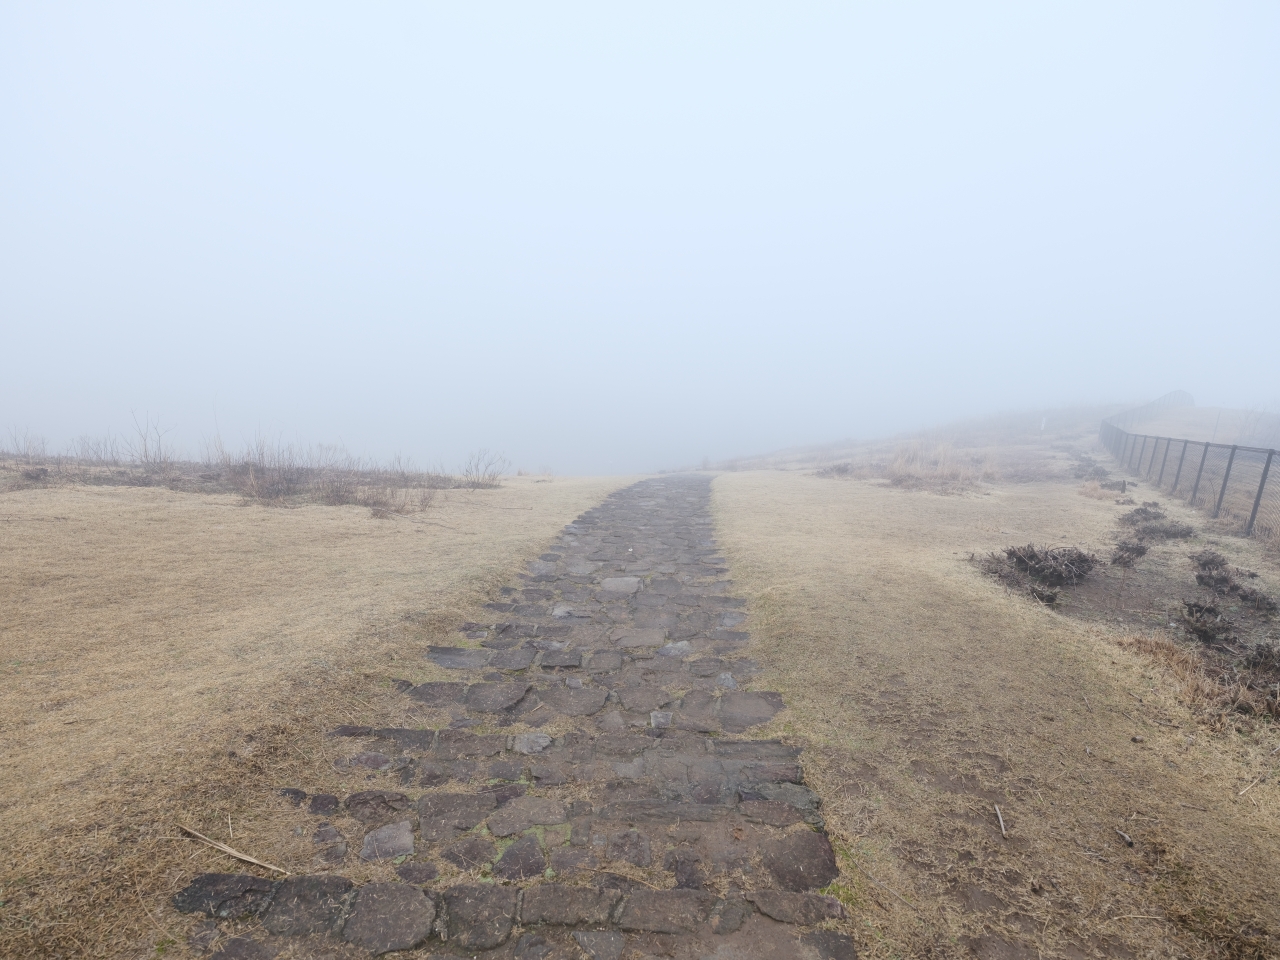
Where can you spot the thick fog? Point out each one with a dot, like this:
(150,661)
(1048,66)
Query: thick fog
(602,238)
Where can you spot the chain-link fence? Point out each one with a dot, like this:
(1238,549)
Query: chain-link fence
(1228,481)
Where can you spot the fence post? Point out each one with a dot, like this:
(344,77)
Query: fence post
(1140,453)
(1178,476)
(1163,461)
(1225,477)
(1124,445)
(1196,489)
(1152,465)
(1258,499)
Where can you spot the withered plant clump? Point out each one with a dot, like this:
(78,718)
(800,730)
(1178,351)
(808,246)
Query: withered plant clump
(1052,566)
(1206,621)
(1214,573)
(1149,522)
(1041,571)
(1128,552)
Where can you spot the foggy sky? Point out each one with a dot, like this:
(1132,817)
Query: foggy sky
(608,239)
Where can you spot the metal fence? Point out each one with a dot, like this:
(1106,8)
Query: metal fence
(1228,481)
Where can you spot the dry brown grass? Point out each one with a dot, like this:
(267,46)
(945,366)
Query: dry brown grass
(942,695)
(175,659)
(1093,490)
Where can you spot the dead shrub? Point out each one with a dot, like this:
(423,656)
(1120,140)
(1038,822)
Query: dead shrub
(1128,552)
(1094,491)
(1052,566)
(1214,573)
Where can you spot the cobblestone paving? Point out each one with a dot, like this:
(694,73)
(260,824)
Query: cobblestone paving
(656,827)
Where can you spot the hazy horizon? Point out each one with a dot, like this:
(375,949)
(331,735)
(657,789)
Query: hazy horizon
(617,240)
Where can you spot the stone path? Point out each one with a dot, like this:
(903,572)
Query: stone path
(653,825)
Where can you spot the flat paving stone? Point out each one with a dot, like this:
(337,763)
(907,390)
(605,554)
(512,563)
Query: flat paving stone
(525,812)
(226,896)
(470,853)
(438,693)
(494,697)
(666,911)
(800,861)
(459,658)
(308,905)
(244,948)
(601,944)
(531,743)
(480,916)
(620,585)
(521,861)
(583,702)
(442,816)
(637,638)
(563,904)
(389,916)
(801,908)
(388,842)
(376,806)
(518,658)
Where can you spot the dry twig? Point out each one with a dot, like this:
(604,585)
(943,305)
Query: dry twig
(1000,817)
(230,852)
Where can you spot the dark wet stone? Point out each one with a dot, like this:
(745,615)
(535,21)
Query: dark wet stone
(660,811)
(227,896)
(445,815)
(684,864)
(604,661)
(566,860)
(367,759)
(389,916)
(756,750)
(525,812)
(574,703)
(800,861)
(798,796)
(601,944)
(459,658)
(548,774)
(331,856)
(307,905)
(244,948)
(806,909)
(347,730)
(706,668)
(506,770)
(665,911)
(643,699)
(621,745)
(452,744)
(388,842)
(562,658)
(772,773)
(521,861)
(494,697)
(500,607)
(741,709)
(830,945)
(730,915)
(517,659)
(323,804)
(376,806)
(408,739)
(631,846)
(438,693)
(294,795)
(567,905)
(417,873)
(774,813)
(326,833)
(480,915)
(470,853)
(503,793)
(534,946)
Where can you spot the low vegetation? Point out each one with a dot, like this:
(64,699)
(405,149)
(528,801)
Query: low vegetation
(263,471)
